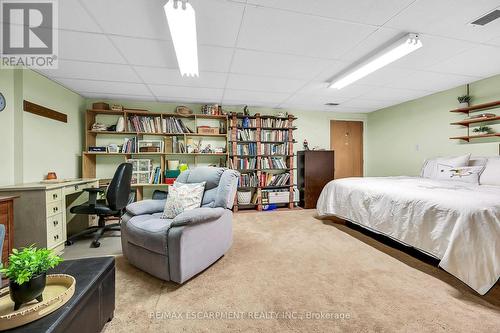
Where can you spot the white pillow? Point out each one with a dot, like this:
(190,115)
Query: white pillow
(183,197)
(430,167)
(468,174)
(491,173)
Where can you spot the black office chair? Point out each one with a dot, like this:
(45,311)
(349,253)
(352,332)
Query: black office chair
(118,196)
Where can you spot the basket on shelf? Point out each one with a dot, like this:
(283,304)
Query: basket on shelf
(244,197)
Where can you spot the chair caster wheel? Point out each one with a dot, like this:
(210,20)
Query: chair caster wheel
(68,243)
(96,244)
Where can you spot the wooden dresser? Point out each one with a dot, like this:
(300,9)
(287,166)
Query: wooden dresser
(315,168)
(7,219)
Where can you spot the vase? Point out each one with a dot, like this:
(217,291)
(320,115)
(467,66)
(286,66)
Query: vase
(120,124)
(463,105)
(28,291)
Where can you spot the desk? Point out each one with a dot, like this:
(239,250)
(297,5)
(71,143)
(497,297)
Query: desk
(7,219)
(41,212)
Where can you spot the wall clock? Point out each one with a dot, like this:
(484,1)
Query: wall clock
(2,102)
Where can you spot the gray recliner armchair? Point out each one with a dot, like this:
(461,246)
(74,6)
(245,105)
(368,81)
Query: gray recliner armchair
(177,249)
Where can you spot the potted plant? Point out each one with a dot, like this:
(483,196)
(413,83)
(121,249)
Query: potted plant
(482,130)
(27,272)
(464,101)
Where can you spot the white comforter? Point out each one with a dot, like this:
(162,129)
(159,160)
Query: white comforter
(456,222)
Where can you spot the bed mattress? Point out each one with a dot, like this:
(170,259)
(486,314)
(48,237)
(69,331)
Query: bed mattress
(456,222)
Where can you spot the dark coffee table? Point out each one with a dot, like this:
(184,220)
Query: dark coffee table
(92,305)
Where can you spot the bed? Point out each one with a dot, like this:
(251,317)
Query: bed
(454,221)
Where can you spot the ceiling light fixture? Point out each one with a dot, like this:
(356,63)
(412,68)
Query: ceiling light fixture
(402,47)
(181,20)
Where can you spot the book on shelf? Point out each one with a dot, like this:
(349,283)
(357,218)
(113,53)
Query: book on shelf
(274,148)
(248,180)
(246,149)
(273,163)
(247,163)
(274,135)
(273,122)
(149,124)
(129,145)
(269,179)
(155,177)
(246,135)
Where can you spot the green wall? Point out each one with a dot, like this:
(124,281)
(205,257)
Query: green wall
(34,145)
(401,137)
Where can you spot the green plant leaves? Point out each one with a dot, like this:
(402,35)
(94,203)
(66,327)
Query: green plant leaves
(28,263)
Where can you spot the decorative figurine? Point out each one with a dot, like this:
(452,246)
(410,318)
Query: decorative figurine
(305,145)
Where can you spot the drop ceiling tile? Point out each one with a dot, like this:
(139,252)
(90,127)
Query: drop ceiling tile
(252,97)
(313,99)
(260,83)
(393,94)
(480,61)
(448,18)
(495,41)
(280,31)
(92,71)
(105,87)
(276,65)
(371,104)
(120,97)
(217,20)
(324,108)
(87,47)
(431,81)
(72,16)
(375,12)
(321,88)
(130,17)
(241,103)
(166,76)
(162,91)
(147,52)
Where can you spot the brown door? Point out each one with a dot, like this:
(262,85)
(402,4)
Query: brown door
(346,139)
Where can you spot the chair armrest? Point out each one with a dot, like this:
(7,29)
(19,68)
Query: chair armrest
(146,207)
(93,194)
(197,215)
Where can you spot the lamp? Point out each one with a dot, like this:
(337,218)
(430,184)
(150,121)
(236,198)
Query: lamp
(404,46)
(182,24)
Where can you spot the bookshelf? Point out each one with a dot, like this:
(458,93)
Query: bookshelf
(155,132)
(261,149)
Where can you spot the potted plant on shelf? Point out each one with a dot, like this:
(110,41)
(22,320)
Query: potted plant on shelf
(27,271)
(482,130)
(464,101)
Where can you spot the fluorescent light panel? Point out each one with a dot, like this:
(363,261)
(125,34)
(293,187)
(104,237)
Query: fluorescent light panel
(182,25)
(402,47)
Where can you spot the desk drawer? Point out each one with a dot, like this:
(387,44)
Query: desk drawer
(79,187)
(54,208)
(53,196)
(55,230)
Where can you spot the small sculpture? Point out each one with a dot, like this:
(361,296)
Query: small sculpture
(305,145)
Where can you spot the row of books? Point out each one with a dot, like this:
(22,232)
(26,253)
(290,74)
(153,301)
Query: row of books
(273,135)
(273,163)
(155,177)
(274,148)
(269,179)
(246,163)
(129,145)
(248,180)
(246,135)
(146,124)
(246,149)
(271,122)
(247,122)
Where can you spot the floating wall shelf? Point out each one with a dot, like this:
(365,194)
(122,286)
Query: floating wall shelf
(473,121)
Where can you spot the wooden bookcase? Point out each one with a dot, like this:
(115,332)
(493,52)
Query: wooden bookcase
(476,121)
(234,126)
(89,159)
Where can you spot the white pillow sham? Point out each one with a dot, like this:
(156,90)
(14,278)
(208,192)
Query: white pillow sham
(182,197)
(468,174)
(430,167)
(491,173)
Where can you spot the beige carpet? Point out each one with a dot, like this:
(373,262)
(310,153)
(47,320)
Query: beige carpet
(283,266)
